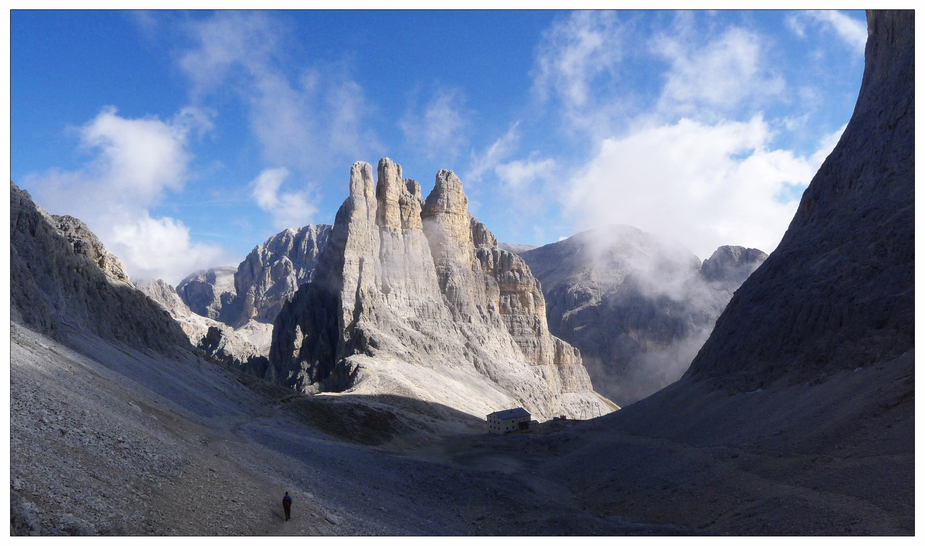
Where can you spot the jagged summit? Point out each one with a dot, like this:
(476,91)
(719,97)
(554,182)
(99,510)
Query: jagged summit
(412,296)
(207,290)
(732,264)
(272,273)
(256,289)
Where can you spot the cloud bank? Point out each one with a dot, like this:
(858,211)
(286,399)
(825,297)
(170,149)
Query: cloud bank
(288,209)
(703,185)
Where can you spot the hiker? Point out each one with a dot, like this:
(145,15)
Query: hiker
(287,502)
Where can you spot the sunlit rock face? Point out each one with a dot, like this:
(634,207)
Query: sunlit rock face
(85,242)
(165,295)
(838,292)
(256,289)
(412,297)
(235,306)
(272,272)
(638,307)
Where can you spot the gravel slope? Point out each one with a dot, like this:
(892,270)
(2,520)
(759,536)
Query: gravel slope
(131,443)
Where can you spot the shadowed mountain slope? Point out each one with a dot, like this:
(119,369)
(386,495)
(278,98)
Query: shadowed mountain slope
(838,293)
(798,415)
(64,281)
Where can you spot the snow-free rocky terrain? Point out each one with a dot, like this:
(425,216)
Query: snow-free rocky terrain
(118,426)
(228,312)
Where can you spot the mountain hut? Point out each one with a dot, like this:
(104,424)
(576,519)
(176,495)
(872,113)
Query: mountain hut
(502,422)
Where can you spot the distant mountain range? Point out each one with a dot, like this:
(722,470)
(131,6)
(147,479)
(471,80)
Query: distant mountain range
(637,307)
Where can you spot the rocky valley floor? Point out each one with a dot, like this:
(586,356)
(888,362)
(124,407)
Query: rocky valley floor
(109,440)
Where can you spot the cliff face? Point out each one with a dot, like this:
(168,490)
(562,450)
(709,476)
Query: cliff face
(86,243)
(412,296)
(206,292)
(272,272)
(63,280)
(235,306)
(838,293)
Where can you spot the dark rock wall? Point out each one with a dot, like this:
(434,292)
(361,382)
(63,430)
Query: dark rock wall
(838,293)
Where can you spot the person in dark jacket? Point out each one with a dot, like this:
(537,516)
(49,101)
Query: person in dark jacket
(287,502)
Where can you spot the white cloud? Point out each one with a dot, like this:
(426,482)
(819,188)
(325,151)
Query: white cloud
(348,109)
(309,121)
(852,31)
(289,209)
(159,248)
(492,157)
(134,162)
(137,157)
(439,130)
(702,185)
(719,74)
(227,42)
(575,60)
(576,51)
(518,176)
(529,187)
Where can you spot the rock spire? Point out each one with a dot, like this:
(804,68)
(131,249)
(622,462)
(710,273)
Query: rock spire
(413,297)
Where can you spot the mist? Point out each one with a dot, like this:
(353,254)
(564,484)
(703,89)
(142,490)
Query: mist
(637,306)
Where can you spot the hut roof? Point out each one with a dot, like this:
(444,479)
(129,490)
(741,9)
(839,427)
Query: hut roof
(510,413)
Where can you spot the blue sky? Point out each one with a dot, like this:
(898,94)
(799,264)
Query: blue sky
(184,139)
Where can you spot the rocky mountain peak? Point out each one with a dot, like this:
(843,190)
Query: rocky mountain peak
(63,281)
(85,242)
(732,264)
(637,306)
(203,290)
(272,273)
(405,300)
(399,200)
(481,236)
(447,197)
